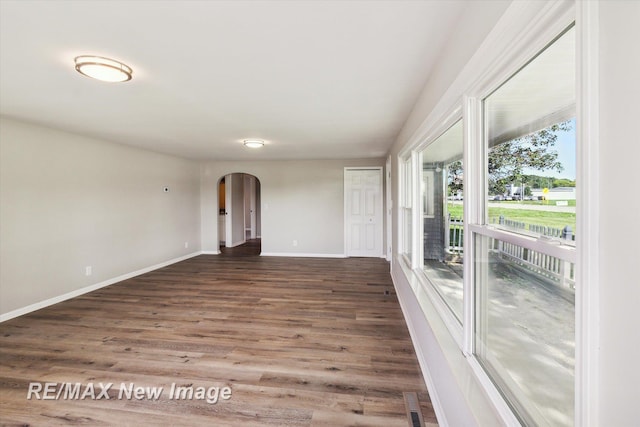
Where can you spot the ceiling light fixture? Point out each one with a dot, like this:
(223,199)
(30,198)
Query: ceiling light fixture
(104,69)
(253,143)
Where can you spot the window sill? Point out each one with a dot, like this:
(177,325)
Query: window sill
(458,396)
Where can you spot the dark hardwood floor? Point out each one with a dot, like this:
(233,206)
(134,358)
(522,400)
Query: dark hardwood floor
(252,247)
(299,341)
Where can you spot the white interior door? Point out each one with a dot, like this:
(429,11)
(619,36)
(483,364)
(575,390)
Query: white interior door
(363,212)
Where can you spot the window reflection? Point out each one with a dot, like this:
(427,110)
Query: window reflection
(442,208)
(524,333)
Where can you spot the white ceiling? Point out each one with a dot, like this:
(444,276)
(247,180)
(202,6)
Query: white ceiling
(314,79)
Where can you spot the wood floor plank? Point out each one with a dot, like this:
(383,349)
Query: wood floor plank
(299,341)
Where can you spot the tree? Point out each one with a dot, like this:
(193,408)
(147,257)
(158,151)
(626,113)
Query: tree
(563,182)
(508,160)
(454,177)
(537,181)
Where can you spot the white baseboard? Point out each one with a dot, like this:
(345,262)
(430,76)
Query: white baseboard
(209,252)
(50,301)
(302,255)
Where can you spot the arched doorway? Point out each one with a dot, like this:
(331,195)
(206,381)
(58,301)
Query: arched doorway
(239,221)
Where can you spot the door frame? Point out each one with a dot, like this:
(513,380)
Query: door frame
(256,222)
(228,210)
(388,209)
(380,231)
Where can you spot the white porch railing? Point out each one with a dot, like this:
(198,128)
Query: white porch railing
(454,238)
(555,269)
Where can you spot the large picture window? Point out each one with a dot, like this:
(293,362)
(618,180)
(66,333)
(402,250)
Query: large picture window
(489,236)
(525,251)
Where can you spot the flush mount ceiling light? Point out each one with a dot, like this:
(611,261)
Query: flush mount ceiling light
(104,69)
(253,143)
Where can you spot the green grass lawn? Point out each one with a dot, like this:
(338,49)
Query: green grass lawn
(537,202)
(548,219)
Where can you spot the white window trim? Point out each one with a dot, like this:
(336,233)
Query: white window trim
(475,188)
(428,190)
(563,252)
(406,198)
(417,248)
(533,38)
(588,214)
(518,40)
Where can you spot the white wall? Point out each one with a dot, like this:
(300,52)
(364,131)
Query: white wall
(67,202)
(619,235)
(477,20)
(300,200)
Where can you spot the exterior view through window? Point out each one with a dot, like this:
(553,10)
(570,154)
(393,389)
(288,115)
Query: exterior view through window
(524,253)
(442,208)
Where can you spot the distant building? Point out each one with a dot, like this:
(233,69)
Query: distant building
(558,193)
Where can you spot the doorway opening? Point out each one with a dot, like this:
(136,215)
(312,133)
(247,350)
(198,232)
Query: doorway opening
(239,219)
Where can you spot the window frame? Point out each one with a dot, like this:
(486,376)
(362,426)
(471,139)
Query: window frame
(455,326)
(428,197)
(526,39)
(406,185)
(520,54)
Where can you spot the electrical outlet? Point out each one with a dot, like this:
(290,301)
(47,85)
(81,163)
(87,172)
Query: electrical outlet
(88,270)
(295,243)
(186,245)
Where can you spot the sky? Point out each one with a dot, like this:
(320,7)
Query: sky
(566,148)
